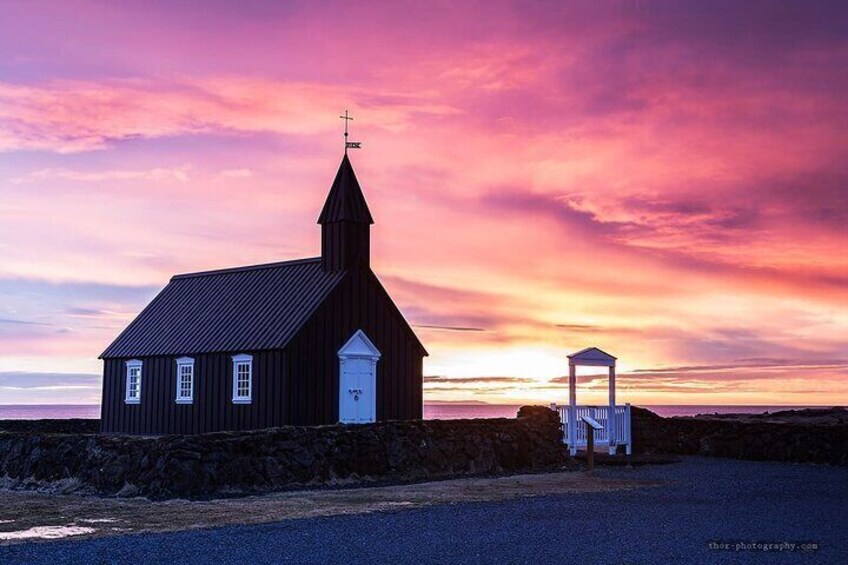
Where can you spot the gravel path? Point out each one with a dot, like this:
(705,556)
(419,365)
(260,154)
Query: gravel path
(705,499)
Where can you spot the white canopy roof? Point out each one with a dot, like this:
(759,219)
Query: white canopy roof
(592,356)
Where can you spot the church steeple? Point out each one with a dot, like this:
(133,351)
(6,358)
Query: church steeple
(345,223)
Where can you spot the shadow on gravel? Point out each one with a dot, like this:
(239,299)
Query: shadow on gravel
(629,460)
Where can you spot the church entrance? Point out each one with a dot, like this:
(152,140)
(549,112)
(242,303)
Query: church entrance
(358,380)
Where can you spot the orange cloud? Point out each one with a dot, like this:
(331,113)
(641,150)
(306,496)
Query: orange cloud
(664,183)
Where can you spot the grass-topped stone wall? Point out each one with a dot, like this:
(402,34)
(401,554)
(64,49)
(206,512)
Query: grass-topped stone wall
(225,463)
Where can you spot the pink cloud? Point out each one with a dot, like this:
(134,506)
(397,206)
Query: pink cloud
(73,116)
(662,180)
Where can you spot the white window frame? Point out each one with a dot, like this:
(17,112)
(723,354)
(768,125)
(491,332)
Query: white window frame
(239,360)
(181,363)
(132,365)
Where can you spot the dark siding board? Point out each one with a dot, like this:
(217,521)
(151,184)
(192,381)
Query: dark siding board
(149,397)
(166,395)
(201,384)
(318,390)
(221,376)
(327,390)
(107,408)
(110,383)
(267,398)
(282,388)
(107,411)
(399,384)
(205,394)
(106,402)
(272,406)
(405,400)
(195,407)
(260,393)
(157,380)
(285,393)
(150,402)
(210,394)
(117,382)
(117,414)
(311,366)
(226,404)
(164,400)
(217,378)
(294,382)
(160,416)
(117,396)
(104,395)
(120,407)
(271,375)
(282,385)
(126,414)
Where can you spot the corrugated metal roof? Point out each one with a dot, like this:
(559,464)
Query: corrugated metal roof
(345,201)
(246,308)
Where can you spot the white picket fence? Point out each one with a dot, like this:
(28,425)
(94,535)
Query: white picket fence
(574,432)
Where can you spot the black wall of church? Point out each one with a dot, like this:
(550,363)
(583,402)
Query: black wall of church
(345,244)
(212,409)
(359,302)
(296,386)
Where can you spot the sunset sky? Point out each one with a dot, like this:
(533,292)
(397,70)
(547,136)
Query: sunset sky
(667,181)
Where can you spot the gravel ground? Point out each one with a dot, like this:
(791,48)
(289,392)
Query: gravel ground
(703,500)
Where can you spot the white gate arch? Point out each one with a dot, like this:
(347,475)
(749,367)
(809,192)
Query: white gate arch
(614,419)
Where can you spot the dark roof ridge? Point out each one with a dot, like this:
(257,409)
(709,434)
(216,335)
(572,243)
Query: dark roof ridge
(245,268)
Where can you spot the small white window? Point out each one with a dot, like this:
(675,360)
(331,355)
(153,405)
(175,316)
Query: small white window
(242,379)
(133,392)
(185,380)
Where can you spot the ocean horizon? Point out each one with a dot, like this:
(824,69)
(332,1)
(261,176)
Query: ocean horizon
(436,411)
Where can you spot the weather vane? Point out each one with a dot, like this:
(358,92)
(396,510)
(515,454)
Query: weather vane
(349,144)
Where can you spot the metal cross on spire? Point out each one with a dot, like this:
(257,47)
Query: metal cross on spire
(349,144)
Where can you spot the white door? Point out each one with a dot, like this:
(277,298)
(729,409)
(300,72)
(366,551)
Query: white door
(358,380)
(358,401)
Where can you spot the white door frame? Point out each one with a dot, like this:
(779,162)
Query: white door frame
(358,361)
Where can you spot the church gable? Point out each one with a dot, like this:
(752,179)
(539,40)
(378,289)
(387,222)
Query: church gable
(395,311)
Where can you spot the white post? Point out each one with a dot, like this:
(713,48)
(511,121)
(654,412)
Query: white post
(572,385)
(572,409)
(611,419)
(572,430)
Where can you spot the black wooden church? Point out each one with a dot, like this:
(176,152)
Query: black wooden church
(305,342)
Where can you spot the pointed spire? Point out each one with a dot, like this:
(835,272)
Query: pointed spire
(345,201)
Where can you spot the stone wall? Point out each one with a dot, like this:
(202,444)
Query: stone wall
(55,426)
(740,438)
(264,460)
